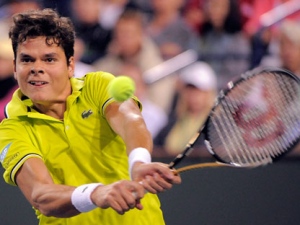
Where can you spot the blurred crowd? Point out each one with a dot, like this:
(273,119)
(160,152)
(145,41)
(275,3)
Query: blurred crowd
(130,37)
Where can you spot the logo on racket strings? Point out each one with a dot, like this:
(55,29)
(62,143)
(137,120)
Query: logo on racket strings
(258,120)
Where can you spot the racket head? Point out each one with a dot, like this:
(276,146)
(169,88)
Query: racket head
(256,119)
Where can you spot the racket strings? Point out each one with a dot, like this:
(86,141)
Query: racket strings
(250,157)
(249,135)
(243,155)
(281,95)
(223,128)
(234,145)
(285,90)
(291,118)
(254,155)
(272,148)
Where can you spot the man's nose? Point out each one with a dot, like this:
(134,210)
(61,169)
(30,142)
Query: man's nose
(36,68)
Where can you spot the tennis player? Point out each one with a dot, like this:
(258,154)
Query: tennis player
(78,156)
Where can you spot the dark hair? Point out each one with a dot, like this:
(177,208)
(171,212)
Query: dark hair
(133,14)
(232,23)
(47,22)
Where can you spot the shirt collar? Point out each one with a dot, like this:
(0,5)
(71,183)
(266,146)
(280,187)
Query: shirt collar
(21,105)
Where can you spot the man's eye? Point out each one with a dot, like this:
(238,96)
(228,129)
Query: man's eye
(26,60)
(50,60)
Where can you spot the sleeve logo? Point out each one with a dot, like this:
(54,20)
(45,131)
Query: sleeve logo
(4,152)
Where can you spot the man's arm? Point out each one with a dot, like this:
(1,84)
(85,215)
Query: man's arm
(39,189)
(52,199)
(127,121)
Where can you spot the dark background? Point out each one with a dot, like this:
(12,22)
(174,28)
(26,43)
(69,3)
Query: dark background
(213,196)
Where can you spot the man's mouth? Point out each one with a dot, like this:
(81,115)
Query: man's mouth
(38,83)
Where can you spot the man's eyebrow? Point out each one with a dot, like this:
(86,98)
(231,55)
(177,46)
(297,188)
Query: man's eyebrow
(51,54)
(23,55)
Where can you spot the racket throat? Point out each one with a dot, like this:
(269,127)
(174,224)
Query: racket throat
(209,147)
(180,157)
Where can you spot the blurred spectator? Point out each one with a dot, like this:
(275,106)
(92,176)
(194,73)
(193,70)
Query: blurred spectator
(81,68)
(259,8)
(7,82)
(155,117)
(85,15)
(246,9)
(2,2)
(61,6)
(16,6)
(194,15)
(144,5)
(169,30)
(196,95)
(10,7)
(111,11)
(260,36)
(284,49)
(4,9)
(4,28)
(223,44)
(130,44)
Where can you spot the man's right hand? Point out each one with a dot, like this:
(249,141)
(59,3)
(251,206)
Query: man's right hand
(120,196)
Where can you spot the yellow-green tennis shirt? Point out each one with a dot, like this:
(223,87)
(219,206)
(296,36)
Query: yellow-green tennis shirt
(80,149)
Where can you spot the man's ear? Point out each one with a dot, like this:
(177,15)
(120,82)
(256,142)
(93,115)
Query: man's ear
(71,66)
(15,72)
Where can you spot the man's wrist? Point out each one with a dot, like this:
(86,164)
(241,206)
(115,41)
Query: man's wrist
(138,155)
(81,197)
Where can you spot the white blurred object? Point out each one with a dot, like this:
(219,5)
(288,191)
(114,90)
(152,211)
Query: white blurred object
(256,98)
(199,74)
(110,14)
(279,13)
(170,66)
(81,69)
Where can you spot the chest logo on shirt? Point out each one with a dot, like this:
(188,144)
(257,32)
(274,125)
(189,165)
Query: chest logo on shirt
(86,113)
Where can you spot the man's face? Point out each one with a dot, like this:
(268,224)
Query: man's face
(129,36)
(289,53)
(42,72)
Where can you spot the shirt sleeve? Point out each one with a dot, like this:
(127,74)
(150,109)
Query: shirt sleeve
(97,89)
(16,147)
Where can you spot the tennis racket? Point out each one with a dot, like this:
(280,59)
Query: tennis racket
(253,122)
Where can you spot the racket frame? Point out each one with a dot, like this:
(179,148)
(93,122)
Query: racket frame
(204,129)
